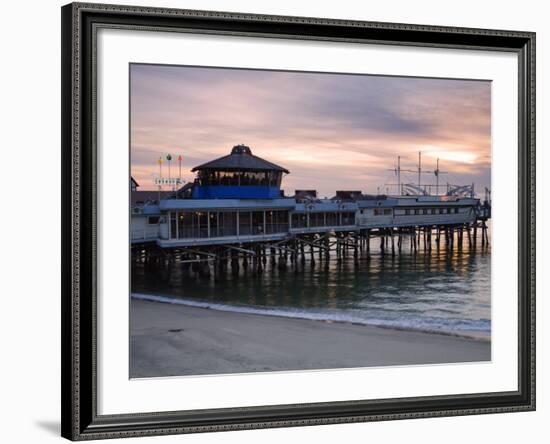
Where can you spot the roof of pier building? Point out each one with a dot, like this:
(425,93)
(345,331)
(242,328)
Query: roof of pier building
(240,159)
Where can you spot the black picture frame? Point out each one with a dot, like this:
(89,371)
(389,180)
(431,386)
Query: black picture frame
(79,174)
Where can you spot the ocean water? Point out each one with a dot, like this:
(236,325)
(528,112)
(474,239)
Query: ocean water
(444,291)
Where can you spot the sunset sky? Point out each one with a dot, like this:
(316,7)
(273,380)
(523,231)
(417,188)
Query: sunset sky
(331,131)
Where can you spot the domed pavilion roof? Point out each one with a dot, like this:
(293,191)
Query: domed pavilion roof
(240,159)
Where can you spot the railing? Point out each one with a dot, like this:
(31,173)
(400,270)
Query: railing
(323,229)
(276,228)
(251,230)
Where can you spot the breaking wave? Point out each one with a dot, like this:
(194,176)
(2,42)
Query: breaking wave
(479,329)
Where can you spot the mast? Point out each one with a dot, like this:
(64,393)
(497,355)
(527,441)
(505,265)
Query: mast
(399,175)
(160,175)
(397,171)
(419,167)
(437,177)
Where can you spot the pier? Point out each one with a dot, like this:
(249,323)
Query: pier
(235,216)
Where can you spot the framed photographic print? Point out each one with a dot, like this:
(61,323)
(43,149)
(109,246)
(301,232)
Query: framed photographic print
(279,221)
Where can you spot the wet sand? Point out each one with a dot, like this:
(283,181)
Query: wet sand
(170,340)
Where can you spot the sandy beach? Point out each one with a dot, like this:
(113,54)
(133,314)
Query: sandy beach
(168,340)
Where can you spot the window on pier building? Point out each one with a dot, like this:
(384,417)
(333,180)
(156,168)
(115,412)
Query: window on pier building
(222,223)
(425,211)
(245,223)
(200,224)
(253,178)
(448,211)
(192,224)
(299,220)
(317,219)
(208,177)
(213,221)
(276,221)
(441,210)
(456,210)
(407,212)
(324,219)
(275,178)
(332,219)
(227,223)
(240,178)
(417,211)
(257,222)
(433,210)
(348,218)
(173,225)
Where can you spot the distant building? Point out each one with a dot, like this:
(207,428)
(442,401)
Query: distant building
(133,184)
(349,195)
(141,198)
(302,195)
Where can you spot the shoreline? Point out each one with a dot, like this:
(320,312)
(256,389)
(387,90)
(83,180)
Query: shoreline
(227,308)
(178,340)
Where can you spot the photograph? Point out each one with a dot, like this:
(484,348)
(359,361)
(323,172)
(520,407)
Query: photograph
(296,220)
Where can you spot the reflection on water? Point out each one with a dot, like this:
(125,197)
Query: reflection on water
(447,291)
